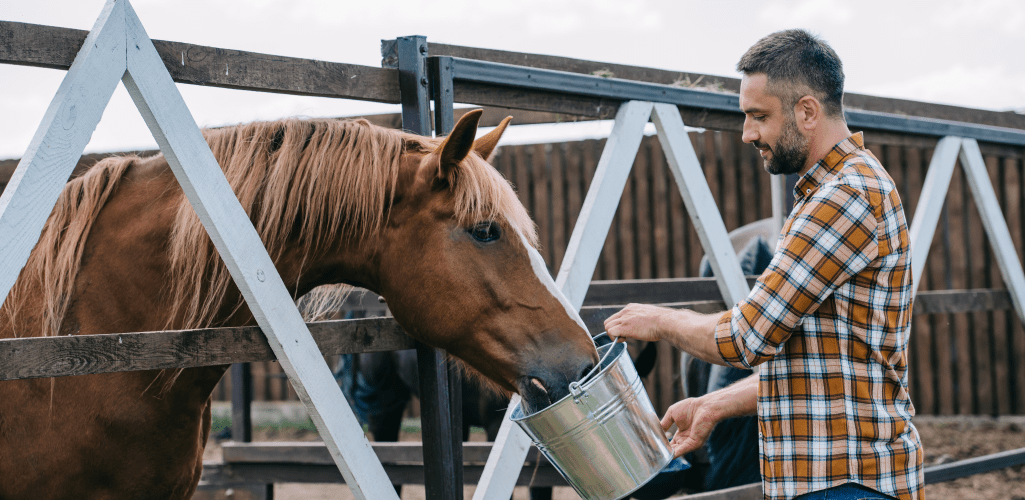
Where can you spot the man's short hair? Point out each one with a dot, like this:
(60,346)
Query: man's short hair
(797,64)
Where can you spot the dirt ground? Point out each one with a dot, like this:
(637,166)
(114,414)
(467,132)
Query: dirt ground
(951,440)
(944,440)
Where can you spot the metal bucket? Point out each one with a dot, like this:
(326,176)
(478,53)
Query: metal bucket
(605,437)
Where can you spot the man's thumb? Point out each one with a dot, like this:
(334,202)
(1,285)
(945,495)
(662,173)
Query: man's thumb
(667,422)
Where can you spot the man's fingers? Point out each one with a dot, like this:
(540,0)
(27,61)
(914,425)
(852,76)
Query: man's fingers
(682,449)
(667,422)
(688,445)
(612,322)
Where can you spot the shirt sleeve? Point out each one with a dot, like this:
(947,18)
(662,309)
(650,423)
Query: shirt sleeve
(832,238)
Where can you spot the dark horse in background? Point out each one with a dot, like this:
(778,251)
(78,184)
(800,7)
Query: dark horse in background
(426,223)
(379,386)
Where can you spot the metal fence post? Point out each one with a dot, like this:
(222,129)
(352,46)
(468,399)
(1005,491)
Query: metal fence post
(441,91)
(443,465)
(241,402)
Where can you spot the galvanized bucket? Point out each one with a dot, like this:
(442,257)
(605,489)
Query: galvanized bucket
(605,437)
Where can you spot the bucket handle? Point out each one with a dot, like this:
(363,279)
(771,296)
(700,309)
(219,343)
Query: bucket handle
(576,388)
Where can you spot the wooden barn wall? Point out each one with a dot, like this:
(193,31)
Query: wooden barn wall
(966,363)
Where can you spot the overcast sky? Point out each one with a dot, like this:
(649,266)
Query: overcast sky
(967,53)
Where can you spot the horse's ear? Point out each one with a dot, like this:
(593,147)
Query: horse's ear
(458,143)
(485,146)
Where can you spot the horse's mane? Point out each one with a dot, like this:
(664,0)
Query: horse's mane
(304,182)
(54,262)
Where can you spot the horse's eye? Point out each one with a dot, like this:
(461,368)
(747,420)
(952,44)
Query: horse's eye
(485,232)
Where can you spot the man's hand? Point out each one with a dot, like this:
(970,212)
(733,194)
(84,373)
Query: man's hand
(639,321)
(687,330)
(694,423)
(696,417)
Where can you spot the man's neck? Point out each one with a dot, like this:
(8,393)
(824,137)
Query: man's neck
(822,141)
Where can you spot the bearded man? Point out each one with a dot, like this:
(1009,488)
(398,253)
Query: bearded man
(828,320)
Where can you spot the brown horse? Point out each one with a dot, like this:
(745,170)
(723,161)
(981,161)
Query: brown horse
(428,224)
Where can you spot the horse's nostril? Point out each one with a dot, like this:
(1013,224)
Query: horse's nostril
(538,384)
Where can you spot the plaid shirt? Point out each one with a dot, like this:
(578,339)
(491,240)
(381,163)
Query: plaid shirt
(829,319)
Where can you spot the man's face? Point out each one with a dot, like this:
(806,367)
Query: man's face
(770,128)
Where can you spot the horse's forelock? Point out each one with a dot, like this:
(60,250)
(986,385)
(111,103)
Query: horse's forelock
(482,194)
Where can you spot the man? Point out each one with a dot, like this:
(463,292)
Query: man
(827,321)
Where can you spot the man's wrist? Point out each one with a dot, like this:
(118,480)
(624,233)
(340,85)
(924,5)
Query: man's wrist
(666,326)
(736,400)
(716,406)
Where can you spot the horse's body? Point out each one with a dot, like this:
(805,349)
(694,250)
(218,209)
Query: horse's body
(428,225)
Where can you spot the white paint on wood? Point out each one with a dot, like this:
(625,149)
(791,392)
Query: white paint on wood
(930,204)
(780,211)
(602,200)
(54,151)
(239,245)
(505,460)
(704,213)
(930,207)
(994,223)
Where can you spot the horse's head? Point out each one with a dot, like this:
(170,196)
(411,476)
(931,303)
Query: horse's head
(458,268)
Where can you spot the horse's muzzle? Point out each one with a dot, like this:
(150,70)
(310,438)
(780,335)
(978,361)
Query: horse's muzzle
(546,386)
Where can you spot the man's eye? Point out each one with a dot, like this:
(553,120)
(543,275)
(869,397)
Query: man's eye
(485,232)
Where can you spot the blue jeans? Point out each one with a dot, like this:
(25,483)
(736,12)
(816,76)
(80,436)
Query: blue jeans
(849,491)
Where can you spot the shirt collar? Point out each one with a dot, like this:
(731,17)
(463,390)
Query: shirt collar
(827,166)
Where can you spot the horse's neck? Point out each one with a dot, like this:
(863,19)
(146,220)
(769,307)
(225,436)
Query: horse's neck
(121,282)
(154,191)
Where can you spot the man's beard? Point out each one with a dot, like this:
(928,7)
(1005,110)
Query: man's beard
(791,151)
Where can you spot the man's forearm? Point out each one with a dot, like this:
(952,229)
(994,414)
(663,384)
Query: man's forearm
(694,333)
(735,400)
(696,418)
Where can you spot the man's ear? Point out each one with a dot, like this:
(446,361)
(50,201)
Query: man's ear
(807,112)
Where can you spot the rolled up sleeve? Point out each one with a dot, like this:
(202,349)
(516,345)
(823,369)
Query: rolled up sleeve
(830,239)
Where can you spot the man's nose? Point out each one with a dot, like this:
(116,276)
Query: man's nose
(750,133)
